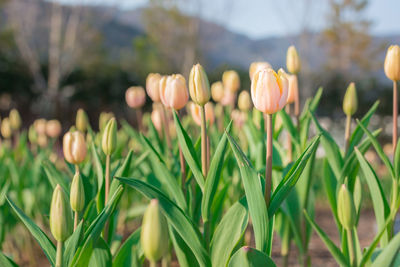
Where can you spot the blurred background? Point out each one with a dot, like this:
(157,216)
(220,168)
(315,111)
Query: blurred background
(58,56)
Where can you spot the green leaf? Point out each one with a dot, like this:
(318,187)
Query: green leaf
(98,167)
(287,122)
(43,240)
(123,257)
(388,255)
(228,233)
(55,176)
(188,152)
(291,178)
(250,257)
(6,261)
(101,255)
(72,243)
(213,176)
(254,194)
(176,217)
(397,161)
(333,249)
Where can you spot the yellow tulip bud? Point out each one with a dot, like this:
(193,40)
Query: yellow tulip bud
(154,233)
(77,193)
(231,80)
(61,224)
(350,102)
(217,91)
(244,101)
(109,141)
(104,118)
(74,147)
(199,87)
(81,121)
(6,129)
(346,208)
(392,63)
(292,60)
(15,119)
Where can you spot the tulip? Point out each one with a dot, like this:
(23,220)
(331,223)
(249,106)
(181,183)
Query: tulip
(74,147)
(53,128)
(217,91)
(292,60)
(42,140)
(231,80)
(15,120)
(173,91)
(293,92)
(104,118)
(244,101)
(77,196)
(256,66)
(40,126)
(156,119)
(32,135)
(195,110)
(108,145)
(81,121)
(135,97)
(238,117)
(349,108)
(60,220)
(153,86)
(6,129)
(154,233)
(199,87)
(228,99)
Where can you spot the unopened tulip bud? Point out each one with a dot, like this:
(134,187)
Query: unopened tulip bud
(346,208)
(61,224)
(256,66)
(293,93)
(77,193)
(292,60)
(74,147)
(392,63)
(42,140)
(32,135)
(15,119)
(156,119)
(153,86)
(269,90)
(154,232)
(238,117)
(104,118)
(217,91)
(350,102)
(40,126)
(244,101)
(195,110)
(173,91)
(81,121)
(135,96)
(6,130)
(53,128)
(231,80)
(109,141)
(228,99)
(199,87)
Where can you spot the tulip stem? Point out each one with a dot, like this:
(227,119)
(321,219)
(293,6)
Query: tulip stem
(183,164)
(347,134)
(395,112)
(352,247)
(203,141)
(166,128)
(59,256)
(268,164)
(108,157)
(289,138)
(76,219)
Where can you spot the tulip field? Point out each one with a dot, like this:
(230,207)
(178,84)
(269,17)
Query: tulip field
(213,175)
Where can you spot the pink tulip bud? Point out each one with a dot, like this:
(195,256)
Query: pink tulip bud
(53,128)
(74,147)
(135,96)
(195,110)
(238,117)
(269,90)
(153,86)
(293,93)
(173,91)
(229,98)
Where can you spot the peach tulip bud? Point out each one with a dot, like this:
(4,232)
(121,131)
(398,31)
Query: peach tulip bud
(292,60)
(256,66)
(217,91)
(173,91)
(231,80)
(229,98)
(135,96)
(244,101)
(42,140)
(40,126)
(153,86)
(156,119)
(269,90)
(74,147)
(293,93)
(53,128)
(195,110)
(392,63)
(199,87)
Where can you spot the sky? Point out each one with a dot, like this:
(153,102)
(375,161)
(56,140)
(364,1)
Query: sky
(267,18)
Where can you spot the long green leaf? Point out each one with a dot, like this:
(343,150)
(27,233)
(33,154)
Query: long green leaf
(72,244)
(6,261)
(389,253)
(250,257)
(123,257)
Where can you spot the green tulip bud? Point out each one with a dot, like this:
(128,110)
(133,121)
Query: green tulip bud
(350,102)
(15,119)
(61,223)
(199,87)
(82,120)
(77,193)
(109,141)
(346,208)
(32,135)
(154,233)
